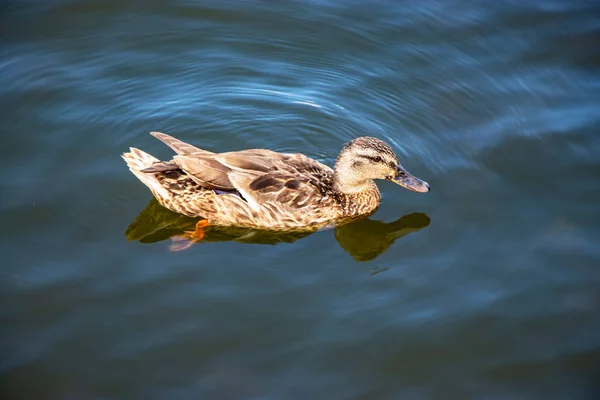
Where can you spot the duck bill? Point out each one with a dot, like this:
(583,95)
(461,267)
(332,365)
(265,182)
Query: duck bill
(409,181)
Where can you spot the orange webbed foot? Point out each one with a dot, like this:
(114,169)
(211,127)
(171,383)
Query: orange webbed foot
(182,242)
(198,233)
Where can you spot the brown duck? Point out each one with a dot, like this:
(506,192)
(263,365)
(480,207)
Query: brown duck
(261,188)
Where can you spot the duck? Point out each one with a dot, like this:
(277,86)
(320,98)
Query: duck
(264,189)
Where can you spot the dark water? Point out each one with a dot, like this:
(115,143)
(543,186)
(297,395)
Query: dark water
(487,287)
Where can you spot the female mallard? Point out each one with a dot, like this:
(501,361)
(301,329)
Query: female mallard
(264,189)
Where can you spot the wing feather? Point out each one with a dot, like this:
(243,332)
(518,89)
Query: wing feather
(205,171)
(179,146)
(254,160)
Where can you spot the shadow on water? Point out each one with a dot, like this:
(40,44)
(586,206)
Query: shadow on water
(364,239)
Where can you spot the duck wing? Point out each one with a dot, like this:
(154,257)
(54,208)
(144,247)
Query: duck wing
(261,176)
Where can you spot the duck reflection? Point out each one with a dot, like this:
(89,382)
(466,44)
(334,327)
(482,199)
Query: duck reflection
(364,239)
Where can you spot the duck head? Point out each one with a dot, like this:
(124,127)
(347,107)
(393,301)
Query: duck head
(365,159)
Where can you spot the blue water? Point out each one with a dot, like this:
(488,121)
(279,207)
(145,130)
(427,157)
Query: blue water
(486,287)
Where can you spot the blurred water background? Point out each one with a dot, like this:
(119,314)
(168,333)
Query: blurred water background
(487,287)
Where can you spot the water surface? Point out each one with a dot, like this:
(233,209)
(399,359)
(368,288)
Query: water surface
(486,287)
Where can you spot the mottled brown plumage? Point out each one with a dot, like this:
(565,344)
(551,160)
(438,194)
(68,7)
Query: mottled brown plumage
(264,189)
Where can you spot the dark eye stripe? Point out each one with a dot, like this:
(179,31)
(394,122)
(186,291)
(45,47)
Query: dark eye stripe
(374,159)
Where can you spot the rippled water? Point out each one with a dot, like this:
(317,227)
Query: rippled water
(487,287)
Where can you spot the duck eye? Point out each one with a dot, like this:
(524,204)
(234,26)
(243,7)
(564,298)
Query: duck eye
(377,159)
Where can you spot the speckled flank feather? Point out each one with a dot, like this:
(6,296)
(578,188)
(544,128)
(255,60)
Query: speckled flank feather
(257,187)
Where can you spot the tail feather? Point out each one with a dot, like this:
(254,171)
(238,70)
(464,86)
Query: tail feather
(137,160)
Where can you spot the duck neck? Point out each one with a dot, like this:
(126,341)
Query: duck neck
(357,197)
